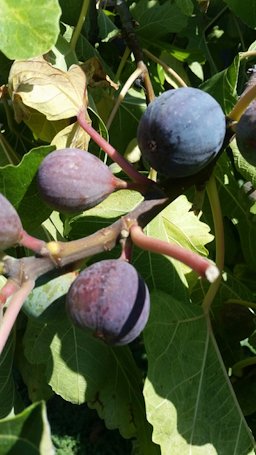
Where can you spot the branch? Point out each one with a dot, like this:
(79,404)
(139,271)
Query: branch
(122,94)
(132,41)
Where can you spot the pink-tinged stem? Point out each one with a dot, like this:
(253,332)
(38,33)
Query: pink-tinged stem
(32,243)
(13,309)
(7,290)
(199,264)
(127,167)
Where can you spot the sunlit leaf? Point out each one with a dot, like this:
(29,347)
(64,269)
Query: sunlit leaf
(28,28)
(72,136)
(56,94)
(189,399)
(222,86)
(107,378)
(27,433)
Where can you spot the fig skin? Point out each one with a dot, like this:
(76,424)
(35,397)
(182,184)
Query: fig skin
(73,180)
(111,299)
(181,132)
(10,224)
(246,134)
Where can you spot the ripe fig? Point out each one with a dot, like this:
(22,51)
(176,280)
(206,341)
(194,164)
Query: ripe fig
(111,299)
(181,132)
(246,134)
(72,180)
(10,224)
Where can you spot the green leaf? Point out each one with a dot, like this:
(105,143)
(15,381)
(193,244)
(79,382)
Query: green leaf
(35,379)
(28,28)
(227,329)
(248,171)
(157,20)
(189,399)
(81,369)
(43,296)
(238,207)
(107,28)
(245,10)
(186,6)
(18,184)
(7,388)
(27,433)
(70,10)
(7,153)
(116,205)
(129,113)
(222,86)
(42,128)
(15,180)
(177,224)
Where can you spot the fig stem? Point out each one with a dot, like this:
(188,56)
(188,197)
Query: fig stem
(131,79)
(166,68)
(7,290)
(199,264)
(245,99)
(111,151)
(12,311)
(80,23)
(31,242)
(214,200)
(122,63)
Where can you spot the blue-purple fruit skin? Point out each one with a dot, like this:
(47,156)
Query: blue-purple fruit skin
(181,132)
(246,134)
(111,299)
(10,224)
(72,180)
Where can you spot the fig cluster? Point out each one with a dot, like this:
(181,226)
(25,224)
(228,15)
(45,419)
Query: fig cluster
(111,299)
(72,180)
(181,132)
(10,224)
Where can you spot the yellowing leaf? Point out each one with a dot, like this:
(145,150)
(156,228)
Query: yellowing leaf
(72,136)
(55,93)
(96,75)
(42,128)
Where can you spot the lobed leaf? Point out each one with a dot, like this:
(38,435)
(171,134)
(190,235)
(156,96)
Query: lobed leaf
(82,369)
(189,399)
